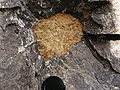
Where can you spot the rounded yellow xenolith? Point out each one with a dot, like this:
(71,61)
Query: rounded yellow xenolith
(56,35)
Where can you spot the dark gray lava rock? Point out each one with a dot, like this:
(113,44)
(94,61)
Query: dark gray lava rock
(47,8)
(110,50)
(101,21)
(101,18)
(104,17)
(10,3)
(16,46)
(80,70)
(22,68)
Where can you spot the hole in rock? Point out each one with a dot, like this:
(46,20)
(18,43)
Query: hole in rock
(53,83)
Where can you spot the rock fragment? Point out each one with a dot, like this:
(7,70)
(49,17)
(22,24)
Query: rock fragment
(55,36)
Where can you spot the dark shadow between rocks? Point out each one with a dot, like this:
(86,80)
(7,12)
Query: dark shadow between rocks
(101,49)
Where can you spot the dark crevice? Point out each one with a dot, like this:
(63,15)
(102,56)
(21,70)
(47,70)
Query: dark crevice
(105,36)
(98,81)
(96,4)
(14,26)
(2,28)
(12,8)
(37,75)
(103,61)
(96,24)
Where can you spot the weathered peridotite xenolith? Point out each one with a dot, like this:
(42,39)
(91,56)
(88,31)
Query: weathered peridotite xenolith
(56,35)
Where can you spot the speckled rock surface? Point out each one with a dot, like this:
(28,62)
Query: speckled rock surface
(10,3)
(110,50)
(80,70)
(86,66)
(104,17)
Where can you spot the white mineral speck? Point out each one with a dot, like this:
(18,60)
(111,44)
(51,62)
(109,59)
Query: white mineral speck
(21,49)
(116,88)
(39,57)
(47,63)
(115,48)
(0,5)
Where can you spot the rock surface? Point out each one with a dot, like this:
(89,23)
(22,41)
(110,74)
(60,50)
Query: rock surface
(104,17)
(110,50)
(10,3)
(89,65)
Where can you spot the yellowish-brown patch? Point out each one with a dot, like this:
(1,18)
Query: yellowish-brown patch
(56,35)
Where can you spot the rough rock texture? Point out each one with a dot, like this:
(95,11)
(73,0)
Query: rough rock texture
(108,49)
(17,56)
(10,3)
(89,65)
(80,70)
(104,17)
(47,8)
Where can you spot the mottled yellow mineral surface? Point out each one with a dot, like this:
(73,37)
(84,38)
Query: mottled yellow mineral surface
(56,35)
